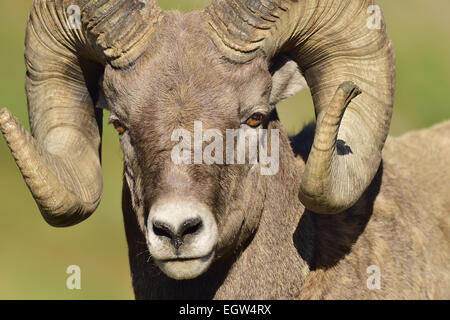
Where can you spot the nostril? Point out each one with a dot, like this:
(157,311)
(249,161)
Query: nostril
(165,230)
(162,230)
(190,226)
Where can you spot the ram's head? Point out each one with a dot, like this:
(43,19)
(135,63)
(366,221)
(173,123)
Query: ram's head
(221,68)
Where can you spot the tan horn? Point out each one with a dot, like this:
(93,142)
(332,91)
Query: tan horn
(65,58)
(332,42)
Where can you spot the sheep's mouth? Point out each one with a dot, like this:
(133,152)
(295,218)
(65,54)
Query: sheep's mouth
(185,268)
(181,259)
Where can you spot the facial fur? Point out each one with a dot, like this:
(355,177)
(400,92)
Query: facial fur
(161,93)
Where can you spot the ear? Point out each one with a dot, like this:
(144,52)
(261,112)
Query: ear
(287,79)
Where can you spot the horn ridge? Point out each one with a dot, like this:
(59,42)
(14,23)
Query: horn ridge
(332,42)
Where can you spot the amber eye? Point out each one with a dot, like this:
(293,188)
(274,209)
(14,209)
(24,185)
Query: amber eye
(119,126)
(255,120)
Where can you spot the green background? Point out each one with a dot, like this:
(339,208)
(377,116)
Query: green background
(34,256)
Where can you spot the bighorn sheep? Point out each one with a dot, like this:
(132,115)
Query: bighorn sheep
(226,231)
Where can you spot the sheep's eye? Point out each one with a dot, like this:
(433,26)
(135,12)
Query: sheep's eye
(119,126)
(255,120)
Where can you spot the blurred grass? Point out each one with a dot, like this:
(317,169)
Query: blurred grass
(34,256)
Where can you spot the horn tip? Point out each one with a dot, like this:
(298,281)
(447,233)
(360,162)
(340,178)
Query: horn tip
(5,120)
(4,114)
(10,127)
(349,86)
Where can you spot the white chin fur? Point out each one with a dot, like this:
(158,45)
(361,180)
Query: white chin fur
(196,253)
(185,269)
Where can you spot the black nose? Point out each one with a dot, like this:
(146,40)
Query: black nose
(177,235)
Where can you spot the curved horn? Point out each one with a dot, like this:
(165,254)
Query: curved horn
(60,160)
(332,42)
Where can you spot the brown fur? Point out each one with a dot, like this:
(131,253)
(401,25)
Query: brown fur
(299,254)
(269,245)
